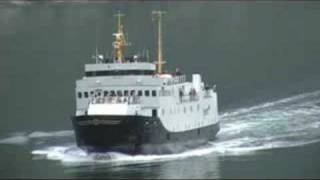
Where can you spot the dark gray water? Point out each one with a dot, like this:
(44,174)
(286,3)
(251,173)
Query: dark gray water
(263,56)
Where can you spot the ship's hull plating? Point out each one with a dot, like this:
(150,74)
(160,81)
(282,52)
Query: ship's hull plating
(136,135)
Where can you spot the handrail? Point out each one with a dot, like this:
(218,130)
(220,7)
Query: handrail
(189,98)
(176,80)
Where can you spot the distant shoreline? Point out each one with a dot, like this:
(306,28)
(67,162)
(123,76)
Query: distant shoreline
(26,2)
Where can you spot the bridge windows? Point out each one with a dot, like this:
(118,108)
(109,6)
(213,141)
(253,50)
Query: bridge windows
(119,93)
(105,93)
(132,92)
(112,93)
(126,92)
(154,93)
(147,93)
(118,73)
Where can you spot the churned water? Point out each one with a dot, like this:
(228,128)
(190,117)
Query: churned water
(272,126)
(263,57)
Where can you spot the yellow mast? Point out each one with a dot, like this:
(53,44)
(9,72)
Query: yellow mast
(158,15)
(120,42)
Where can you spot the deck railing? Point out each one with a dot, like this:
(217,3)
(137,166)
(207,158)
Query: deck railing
(176,80)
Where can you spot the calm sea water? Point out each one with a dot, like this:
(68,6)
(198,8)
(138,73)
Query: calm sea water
(263,57)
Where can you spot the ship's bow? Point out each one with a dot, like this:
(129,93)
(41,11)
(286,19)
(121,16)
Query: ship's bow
(108,132)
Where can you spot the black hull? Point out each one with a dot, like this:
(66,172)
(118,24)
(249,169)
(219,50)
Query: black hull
(136,135)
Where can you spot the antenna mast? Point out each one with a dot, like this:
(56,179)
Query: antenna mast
(120,42)
(158,16)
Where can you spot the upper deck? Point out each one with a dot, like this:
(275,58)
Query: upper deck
(125,77)
(120,68)
(128,71)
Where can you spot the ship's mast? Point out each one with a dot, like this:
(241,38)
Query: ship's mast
(120,42)
(158,16)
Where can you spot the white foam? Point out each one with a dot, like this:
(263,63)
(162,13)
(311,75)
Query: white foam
(269,104)
(73,156)
(231,148)
(15,140)
(40,134)
(283,123)
(23,138)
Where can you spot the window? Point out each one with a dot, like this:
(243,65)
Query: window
(154,93)
(154,113)
(91,92)
(184,109)
(140,93)
(198,107)
(126,93)
(191,109)
(119,73)
(86,95)
(132,92)
(119,93)
(105,93)
(79,95)
(112,93)
(147,93)
(168,136)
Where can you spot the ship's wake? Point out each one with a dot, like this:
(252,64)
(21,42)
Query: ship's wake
(288,122)
(293,121)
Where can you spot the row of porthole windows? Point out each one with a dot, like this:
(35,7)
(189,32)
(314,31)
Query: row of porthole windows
(119,93)
(176,110)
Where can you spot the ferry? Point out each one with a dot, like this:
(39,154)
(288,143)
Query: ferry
(133,105)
